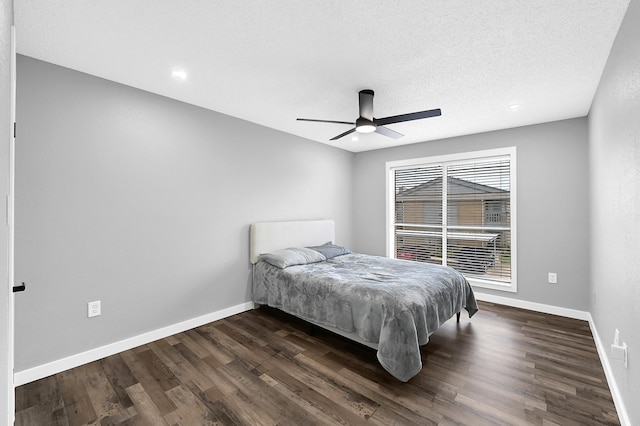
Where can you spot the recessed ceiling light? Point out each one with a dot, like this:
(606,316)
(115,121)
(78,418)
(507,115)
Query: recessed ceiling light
(179,74)
(514,107)
(354,138)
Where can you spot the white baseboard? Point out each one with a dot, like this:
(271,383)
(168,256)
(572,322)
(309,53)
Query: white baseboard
(533,306)
(581,315)
(54,367)
(608,372)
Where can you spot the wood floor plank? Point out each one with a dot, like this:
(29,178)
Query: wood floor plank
(153,385)
(505,366)
(455,413)
(158,370)
(120,377)
(345,398)
(80,411)
(119,418)
(193,345)
(408,402)
(147,411)
(44,414)
(283,410)
(190,411)
(40,392)
(73,391)
(235,343)
(216,351)
(318,400)
(317,416)
(180,367)
(102,396)
(242,406)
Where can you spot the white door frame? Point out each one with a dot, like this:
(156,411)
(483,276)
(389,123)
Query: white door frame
(10,390)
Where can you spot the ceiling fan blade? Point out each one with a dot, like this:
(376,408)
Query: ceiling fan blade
(388,132)
(408,117)
(365,98)
(325,121)
(343,134)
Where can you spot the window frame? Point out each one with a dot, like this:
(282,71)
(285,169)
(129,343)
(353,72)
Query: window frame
(446,160)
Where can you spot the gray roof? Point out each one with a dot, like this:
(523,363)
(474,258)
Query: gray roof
(455,186)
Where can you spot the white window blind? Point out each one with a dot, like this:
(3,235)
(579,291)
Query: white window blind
(456,211)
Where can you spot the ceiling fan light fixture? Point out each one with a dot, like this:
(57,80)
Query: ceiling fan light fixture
(365,126)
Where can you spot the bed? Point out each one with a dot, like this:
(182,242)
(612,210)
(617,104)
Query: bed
(387,304)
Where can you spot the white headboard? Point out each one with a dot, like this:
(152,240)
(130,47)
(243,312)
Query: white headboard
(270,236)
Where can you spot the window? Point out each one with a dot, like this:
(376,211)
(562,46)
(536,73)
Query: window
(456,210)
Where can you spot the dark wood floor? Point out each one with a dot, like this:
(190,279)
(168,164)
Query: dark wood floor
(504,366)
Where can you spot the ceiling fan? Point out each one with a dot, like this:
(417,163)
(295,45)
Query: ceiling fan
(366,123)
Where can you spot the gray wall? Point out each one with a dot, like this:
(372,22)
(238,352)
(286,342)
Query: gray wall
(552,177)
(6,380)
(614,137)
(144,203)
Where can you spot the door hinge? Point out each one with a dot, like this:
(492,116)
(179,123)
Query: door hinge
(14,129)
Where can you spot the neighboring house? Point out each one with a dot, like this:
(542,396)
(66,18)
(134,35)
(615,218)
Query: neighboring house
(476,217)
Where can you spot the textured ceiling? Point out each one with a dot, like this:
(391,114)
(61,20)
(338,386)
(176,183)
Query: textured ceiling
(272,61)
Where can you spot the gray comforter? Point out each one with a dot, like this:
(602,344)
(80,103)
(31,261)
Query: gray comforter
(395,303)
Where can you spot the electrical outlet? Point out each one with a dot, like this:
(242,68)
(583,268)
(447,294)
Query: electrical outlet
(93,309)
(553,278)
(619,353)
